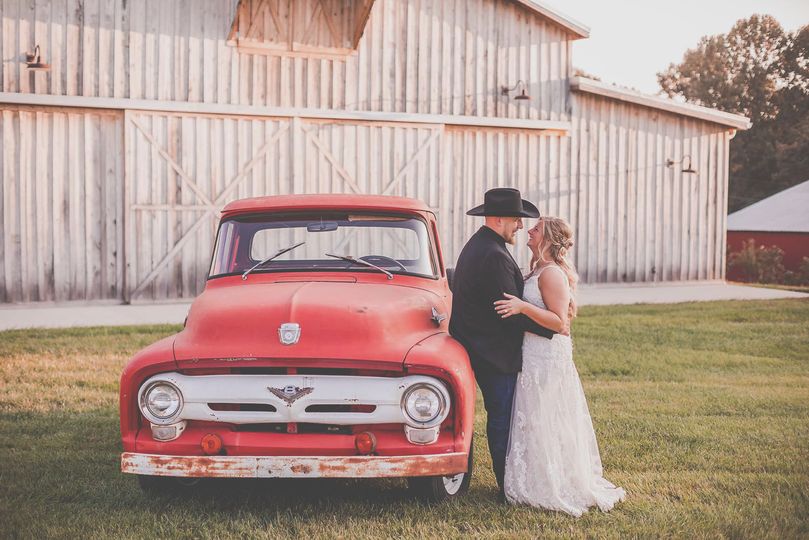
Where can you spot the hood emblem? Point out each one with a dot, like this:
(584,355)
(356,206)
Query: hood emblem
(290,394)
(437,318)
(289,333)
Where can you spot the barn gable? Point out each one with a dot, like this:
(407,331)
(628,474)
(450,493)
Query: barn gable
(576,29)
(446,57)
(331,28)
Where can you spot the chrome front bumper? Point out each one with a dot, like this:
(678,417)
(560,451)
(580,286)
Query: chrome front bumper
(294,466)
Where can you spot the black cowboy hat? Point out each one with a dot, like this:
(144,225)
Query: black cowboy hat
(504,202)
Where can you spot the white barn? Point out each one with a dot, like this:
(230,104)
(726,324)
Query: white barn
(154,113)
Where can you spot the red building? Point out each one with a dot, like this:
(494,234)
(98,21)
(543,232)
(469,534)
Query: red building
(779,220)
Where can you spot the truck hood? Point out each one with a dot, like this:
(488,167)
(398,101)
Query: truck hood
(338,320)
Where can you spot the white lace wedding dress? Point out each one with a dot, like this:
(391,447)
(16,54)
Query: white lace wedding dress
(553,460)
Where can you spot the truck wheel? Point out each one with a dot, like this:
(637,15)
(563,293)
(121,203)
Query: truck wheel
(441,488)
(166,485)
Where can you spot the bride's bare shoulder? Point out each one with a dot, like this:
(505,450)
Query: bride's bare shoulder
(552,279)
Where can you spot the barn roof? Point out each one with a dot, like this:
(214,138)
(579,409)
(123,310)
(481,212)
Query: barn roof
(786,211)
(575,27)
(591,86)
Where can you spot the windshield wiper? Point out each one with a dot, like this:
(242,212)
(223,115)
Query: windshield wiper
(351,259)
(268,259)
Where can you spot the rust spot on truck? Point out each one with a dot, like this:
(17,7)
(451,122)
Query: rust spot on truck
(294,466)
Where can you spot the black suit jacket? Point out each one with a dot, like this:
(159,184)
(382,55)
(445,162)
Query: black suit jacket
(486,270)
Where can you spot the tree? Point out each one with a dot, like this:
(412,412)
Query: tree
(762,72)
(792,144)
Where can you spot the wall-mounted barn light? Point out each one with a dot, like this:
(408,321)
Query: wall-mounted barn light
(34,61)
(687,168)
(505,90)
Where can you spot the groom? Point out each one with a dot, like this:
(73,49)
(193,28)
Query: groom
(485,271)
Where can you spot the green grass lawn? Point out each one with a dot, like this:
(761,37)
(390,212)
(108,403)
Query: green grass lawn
(701,412)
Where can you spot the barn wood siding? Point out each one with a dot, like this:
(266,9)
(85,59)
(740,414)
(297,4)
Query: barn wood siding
(475,160)
(636,219)
(65,196)
(177,165)
(61,203)
(429,56)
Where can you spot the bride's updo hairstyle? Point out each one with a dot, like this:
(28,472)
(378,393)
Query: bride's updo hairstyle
(557,235)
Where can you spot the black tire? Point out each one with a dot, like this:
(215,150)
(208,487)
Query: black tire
(436,489)
(450,277)
(167,485)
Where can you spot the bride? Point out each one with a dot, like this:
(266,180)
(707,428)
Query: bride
(553,460)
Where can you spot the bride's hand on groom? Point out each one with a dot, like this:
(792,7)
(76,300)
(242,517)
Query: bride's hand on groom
(511,306)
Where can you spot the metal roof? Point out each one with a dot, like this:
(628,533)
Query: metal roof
(786,211)
(736,121)
(578,29)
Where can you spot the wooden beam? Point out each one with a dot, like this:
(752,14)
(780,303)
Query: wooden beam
(300,50)
(174,165)
(275,20)
(184,107)
(335,36)
(260,5)
(362,21)
(331,159)
(318,9)
(220,199)
(413,159)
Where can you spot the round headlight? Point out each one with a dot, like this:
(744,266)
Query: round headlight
(423,403)
(161,401)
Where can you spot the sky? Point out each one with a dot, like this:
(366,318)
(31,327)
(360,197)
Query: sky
(631,40)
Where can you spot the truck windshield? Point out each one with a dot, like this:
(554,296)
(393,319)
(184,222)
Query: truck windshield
(397,244)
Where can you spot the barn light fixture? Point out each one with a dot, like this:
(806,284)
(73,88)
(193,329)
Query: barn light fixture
(34,61)
(505,90)
(687,168)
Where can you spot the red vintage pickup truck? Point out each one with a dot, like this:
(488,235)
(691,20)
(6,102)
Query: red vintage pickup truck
(319,348)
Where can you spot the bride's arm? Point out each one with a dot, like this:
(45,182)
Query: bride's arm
(555,295)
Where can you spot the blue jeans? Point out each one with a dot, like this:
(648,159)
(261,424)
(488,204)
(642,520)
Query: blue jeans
(498,398)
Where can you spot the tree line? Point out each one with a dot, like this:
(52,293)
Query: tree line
(762,72)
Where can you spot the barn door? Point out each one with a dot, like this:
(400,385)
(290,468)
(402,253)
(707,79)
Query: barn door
(180,172)
(182,169)
(369,158)
(477,160)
